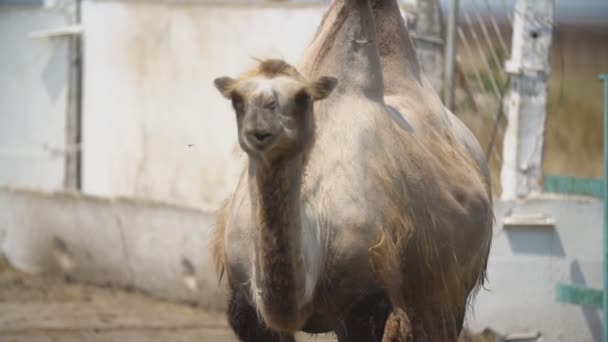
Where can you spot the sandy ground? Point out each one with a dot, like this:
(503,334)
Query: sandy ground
(46,308)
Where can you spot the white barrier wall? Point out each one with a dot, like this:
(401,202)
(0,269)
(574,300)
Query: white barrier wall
(153,124)
(157,248)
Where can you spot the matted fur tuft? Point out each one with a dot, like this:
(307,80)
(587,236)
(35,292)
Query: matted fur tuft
(217,241)
(273,68)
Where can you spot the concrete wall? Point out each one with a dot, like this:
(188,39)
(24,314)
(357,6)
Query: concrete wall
(33,99)
(526,263)
(150,246)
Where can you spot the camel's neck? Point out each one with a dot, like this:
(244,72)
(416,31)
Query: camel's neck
(344,47)
(275,195)
(397,55)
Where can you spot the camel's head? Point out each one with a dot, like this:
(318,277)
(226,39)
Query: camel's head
(273,105)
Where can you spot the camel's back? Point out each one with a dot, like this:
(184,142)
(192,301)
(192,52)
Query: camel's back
(435,129)
(406,151)
(406,165)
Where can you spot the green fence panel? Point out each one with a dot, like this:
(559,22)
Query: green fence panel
(574,186)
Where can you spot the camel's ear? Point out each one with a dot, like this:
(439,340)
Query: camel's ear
(224,85)
(322,87)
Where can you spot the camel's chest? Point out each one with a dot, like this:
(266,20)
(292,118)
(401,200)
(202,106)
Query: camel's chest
(311,240)
(332,248)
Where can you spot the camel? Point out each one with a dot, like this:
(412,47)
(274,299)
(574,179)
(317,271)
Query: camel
(365,206)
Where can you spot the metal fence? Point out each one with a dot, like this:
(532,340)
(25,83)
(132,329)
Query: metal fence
(483,45)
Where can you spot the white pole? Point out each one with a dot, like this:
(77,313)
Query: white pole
(522,167)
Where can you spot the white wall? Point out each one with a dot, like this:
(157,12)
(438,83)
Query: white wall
(149,95)
(33,98)
(526,264)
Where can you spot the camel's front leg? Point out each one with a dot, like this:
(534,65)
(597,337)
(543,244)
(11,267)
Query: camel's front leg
(398,327)
(245,322)
(365,321)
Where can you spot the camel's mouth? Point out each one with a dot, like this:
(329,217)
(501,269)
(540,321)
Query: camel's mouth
(260,139)
(258,142)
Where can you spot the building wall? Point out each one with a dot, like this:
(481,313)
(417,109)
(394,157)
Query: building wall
(33,99)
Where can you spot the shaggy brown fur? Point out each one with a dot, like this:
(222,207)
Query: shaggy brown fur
(420,266)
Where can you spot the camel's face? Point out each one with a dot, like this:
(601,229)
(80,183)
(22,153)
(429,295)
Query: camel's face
(274,114)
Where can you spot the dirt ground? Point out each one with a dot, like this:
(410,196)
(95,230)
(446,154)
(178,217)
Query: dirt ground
(46,308)
(39,308)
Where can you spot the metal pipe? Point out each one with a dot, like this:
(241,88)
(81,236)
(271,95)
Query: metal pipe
(450,56)
(604,77)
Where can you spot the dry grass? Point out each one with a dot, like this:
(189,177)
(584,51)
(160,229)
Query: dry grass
(574,130)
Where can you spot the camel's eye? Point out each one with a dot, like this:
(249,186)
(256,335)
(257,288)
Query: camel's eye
(237,103)
(302,98)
